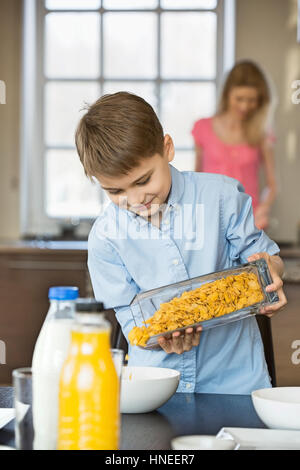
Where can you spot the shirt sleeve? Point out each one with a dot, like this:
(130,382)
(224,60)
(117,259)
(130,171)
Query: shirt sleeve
(197,132)
(243,236)
(112,284)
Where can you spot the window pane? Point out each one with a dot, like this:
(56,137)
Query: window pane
(129,4)
(145,90)
(188,45)
(73,4)
(182,105)
(63,104)
(184,160)
(130,45)
(69,193)
(72,45)
(173,4)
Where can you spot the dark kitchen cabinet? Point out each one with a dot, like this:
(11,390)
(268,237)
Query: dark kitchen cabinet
(26,273)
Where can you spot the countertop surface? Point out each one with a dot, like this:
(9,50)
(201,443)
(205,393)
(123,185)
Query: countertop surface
(183,414)
(34,248)
(286,251)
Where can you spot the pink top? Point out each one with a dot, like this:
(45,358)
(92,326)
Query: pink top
(239,161)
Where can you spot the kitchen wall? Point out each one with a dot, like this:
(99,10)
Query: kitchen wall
(266,33)
(10,69)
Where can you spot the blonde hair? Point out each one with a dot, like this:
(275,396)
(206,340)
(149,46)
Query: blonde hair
(248,74)
(116,133)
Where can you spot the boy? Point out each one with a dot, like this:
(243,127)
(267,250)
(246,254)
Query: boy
(163,226)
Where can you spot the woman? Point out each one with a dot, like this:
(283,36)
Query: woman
(236,142)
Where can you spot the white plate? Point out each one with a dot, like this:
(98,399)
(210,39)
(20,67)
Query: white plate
(262,439)
(202,442)
(6,415)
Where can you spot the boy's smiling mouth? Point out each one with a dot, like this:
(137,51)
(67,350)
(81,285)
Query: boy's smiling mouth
(143,206)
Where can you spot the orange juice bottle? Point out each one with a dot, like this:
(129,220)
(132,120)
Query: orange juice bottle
(89,417)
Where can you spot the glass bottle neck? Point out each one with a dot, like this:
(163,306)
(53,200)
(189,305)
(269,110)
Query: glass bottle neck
(62,304)
(61,309)
(91,322)
(87,341)
(90,334)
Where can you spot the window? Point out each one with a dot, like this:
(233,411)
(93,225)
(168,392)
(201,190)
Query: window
(171,52)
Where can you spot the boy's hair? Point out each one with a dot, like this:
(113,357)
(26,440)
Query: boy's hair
(116,133)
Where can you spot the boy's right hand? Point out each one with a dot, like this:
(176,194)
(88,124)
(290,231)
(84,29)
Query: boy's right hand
(180,343)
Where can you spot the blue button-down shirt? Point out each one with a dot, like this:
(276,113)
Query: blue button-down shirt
(207,225)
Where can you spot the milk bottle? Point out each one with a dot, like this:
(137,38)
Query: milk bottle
(49,355)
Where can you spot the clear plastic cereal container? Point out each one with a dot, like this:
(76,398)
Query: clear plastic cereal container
(211,300)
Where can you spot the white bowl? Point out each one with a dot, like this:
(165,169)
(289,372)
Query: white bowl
(202,443)
(278,407)
(144,389)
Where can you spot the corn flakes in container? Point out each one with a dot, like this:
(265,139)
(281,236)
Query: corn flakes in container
(210,300)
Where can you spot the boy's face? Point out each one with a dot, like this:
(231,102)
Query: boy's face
(146,187)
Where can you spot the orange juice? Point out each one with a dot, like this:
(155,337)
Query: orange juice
(89,416)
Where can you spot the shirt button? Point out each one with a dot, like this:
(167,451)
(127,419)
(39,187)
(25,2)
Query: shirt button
(187,385)
(167,221)
(175,261)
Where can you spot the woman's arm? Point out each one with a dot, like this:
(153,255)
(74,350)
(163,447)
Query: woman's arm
(198,159)
(270,191)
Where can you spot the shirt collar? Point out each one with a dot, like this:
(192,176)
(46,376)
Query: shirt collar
(177,187)
(175,194)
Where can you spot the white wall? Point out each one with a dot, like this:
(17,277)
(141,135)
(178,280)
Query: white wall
(266,33)
(10,37)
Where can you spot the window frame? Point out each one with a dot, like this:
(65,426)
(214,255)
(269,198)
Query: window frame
(34,220)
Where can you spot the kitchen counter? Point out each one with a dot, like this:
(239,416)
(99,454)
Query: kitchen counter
(286,250)
(291,258)
(36,246)
(184,413)
(30,246)
(55,248)
(292,251)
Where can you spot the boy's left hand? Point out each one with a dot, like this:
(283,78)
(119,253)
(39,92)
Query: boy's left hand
(275,265)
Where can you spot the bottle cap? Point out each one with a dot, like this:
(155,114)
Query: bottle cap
(63,293)
(88,305)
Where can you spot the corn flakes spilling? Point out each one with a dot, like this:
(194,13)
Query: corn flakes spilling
(210,300)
